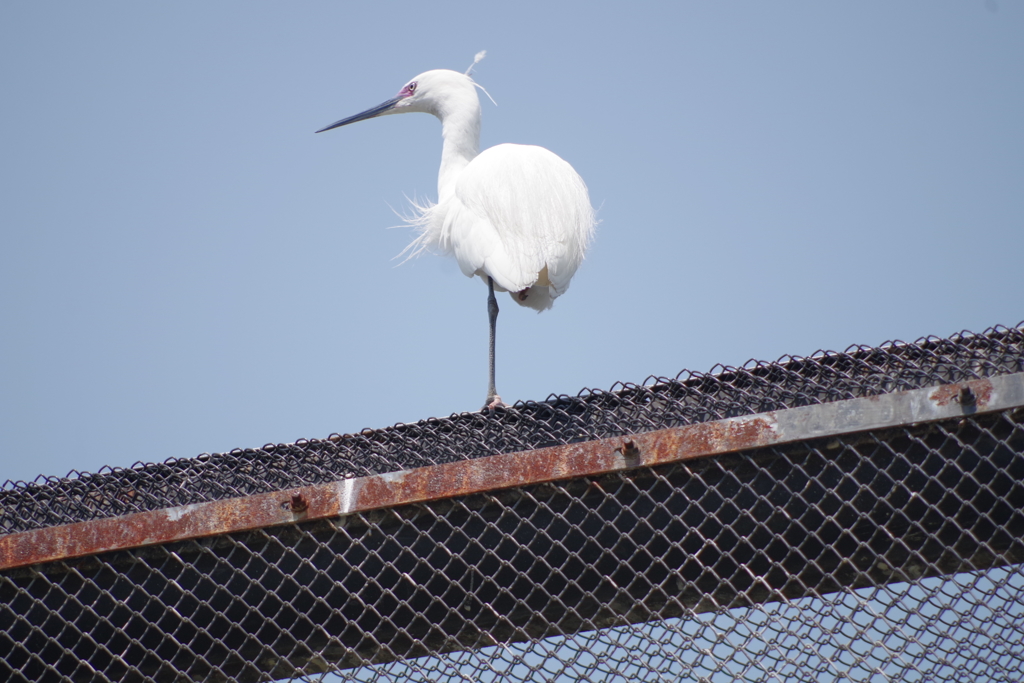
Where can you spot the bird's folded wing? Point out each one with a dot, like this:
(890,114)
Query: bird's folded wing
(518,209)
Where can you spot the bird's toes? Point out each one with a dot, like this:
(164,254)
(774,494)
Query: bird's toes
(522,294)
(494,402)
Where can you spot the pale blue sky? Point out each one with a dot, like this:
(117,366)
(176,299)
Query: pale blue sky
(186,267)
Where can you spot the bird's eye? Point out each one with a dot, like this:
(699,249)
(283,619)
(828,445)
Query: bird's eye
(412,87)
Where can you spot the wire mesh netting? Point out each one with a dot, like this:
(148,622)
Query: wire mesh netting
(593,414)
(892,554)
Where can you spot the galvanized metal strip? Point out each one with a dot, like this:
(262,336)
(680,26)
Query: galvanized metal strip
(511,470)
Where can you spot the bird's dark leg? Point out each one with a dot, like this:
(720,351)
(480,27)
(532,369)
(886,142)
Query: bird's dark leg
(493,400)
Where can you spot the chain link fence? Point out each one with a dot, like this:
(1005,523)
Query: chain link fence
(886,554)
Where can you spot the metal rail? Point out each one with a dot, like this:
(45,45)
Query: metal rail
(586,459)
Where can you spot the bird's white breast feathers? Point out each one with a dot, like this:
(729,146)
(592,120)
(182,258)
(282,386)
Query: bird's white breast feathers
(518,213)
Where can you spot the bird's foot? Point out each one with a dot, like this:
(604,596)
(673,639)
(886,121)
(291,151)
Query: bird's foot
(494,401)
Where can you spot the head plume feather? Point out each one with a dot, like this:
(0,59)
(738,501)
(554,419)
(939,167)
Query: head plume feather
(469,72)
(476,60)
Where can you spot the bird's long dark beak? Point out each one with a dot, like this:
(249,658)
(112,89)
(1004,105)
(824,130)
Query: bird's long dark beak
(382,108)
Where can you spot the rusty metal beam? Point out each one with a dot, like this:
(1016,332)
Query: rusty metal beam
(511,470)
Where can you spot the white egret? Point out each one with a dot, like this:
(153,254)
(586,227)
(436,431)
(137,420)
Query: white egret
(516,215)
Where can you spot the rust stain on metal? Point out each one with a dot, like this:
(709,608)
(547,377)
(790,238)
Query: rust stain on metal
(976,393)
(708,438)
(163,526)
(983,392)
(943,395)
(484,474)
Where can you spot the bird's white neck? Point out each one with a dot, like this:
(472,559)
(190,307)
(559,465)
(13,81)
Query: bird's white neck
(460,128)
